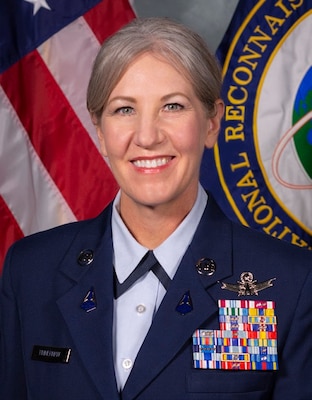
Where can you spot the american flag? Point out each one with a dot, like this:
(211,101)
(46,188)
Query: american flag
(51,170)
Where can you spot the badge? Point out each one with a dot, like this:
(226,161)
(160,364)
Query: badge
(247,286)
(247,339)
(51,354)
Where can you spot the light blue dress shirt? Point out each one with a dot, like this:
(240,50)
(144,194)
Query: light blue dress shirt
(134,310)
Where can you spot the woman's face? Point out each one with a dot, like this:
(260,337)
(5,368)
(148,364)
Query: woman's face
(153,131)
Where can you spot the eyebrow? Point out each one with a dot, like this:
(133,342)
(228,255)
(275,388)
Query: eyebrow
(168,96)
(123,98)
(133,100)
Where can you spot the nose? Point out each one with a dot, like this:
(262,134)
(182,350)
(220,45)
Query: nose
(148,132)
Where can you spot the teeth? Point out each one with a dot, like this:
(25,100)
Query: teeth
(151,163)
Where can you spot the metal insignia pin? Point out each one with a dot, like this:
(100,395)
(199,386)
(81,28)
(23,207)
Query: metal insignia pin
(89,302)
(206,266)
(185,304)
(247,286)
(85,257)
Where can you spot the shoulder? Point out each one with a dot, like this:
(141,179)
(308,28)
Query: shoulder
(270,258)
(66,231)
(39,250)
(257,247)
(268,246)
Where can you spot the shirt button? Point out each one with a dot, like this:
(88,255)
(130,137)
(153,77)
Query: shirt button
(127,363)
(141,308)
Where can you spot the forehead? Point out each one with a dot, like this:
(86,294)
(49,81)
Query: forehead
(156,68)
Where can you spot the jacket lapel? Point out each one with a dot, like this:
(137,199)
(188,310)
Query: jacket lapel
(170,330)
(92,331)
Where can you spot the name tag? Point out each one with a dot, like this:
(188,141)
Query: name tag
(51,354)
(247,339)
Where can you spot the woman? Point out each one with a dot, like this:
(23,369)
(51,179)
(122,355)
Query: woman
(213,315)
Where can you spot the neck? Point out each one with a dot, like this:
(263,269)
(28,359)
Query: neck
(151,226)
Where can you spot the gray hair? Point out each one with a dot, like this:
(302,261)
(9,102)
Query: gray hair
(172,41)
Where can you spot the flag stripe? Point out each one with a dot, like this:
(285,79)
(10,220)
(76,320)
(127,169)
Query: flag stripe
(39,204)
(58,53)
(68,157)
(108,16)
(10,230)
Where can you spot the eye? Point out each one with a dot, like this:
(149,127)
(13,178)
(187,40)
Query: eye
(173,107)
(124,110)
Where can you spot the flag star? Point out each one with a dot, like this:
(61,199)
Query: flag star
(38,4)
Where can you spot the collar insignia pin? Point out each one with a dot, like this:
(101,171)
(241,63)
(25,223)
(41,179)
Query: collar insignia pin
(89,302)
(85,257)
(185,304)
(247,286)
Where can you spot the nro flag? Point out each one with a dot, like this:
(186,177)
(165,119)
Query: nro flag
(261,169)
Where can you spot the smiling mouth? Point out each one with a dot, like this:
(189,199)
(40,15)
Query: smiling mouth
(154,163)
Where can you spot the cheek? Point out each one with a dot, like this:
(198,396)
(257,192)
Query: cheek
(115,146)
(108,139)
(191,138)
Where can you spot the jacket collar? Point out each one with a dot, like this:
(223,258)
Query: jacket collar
(213,240)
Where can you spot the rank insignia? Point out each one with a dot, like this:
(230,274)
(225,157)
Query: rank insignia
(247,339)
(247,286)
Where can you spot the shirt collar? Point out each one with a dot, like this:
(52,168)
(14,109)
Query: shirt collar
(128,252)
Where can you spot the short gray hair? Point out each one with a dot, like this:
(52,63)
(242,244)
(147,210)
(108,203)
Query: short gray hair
(172,41)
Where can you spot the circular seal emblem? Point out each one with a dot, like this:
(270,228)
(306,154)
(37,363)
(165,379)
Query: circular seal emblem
(264,154)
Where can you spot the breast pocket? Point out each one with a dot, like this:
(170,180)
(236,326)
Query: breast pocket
(230,385)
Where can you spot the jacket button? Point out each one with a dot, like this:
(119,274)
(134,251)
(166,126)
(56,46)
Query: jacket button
(206,266)
(85,257)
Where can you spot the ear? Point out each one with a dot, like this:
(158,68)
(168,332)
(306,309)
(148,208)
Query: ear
(97,124)
(214,124)
(101,140)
